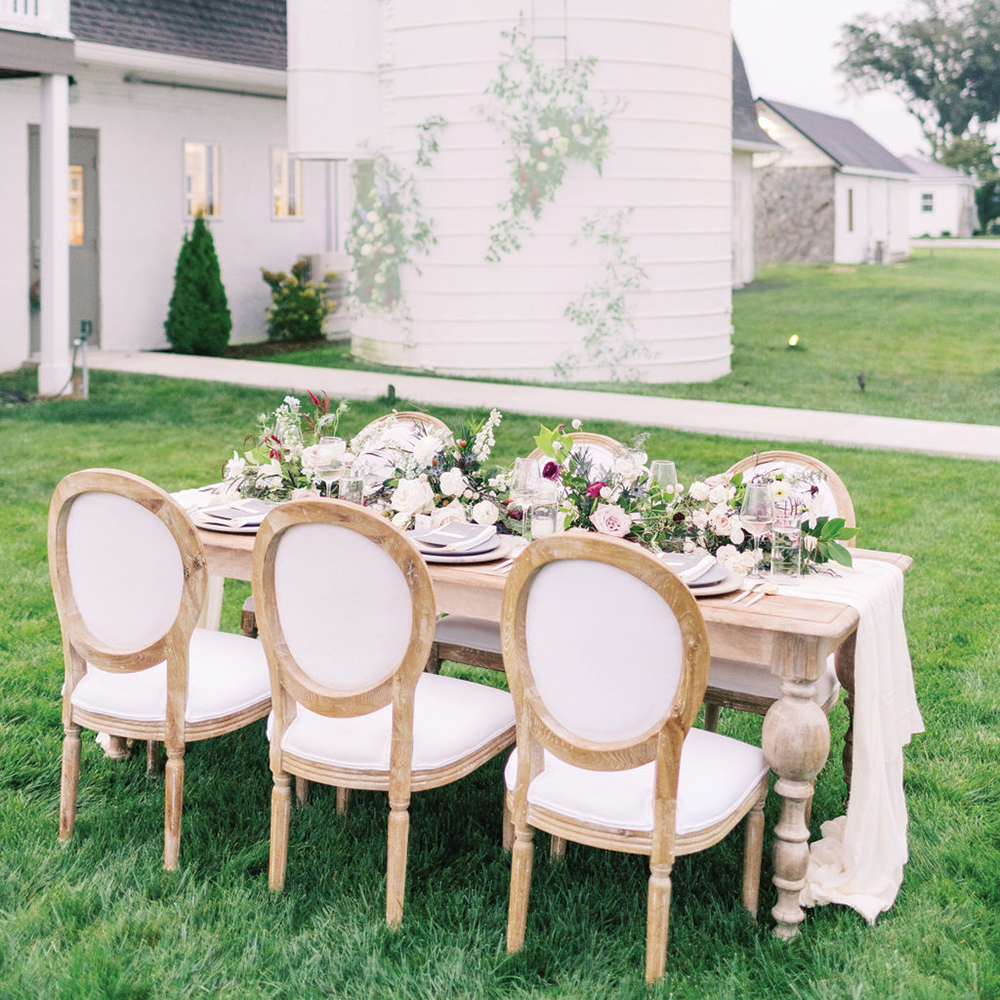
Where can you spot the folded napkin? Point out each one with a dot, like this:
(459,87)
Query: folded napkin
(196,499)
(859,860)
(685,569)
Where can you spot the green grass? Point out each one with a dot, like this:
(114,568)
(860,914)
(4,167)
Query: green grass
(99,918)
(926,333)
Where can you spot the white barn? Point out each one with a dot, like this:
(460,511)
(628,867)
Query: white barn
(836,194)
(942,200)
(171,107)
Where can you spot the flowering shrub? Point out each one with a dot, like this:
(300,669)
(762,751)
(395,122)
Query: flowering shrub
(298,307)
(387,229)
(549,119)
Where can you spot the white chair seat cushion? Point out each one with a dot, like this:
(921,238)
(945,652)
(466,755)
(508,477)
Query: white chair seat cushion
(452,718)
(475,633)
(226,674)
(717,773)
(753,679)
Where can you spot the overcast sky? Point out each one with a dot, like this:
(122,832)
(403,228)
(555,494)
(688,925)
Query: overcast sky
(789,50)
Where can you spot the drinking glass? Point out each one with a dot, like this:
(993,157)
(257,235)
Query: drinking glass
(331,460)
(663,475)
(526,480)
(786,543)
(543,518)
(756,517)
(352,488)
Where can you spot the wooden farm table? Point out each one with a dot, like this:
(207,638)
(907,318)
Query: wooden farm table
(790,636)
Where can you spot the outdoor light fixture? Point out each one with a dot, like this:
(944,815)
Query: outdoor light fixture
(793,340)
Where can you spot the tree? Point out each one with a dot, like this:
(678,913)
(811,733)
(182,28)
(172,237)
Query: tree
(198,321)
(942,58)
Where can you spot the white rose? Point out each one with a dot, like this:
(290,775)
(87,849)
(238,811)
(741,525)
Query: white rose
(736,535)
(377,229)
(605,492)
(700,519)
(699,491)
(485,512)
(553,131)
(575,128)
(411,497)
(717,494)
(453,483)
(427,449)
(389,248)
(720,520)
(366,250)
(323,456)
(401,520)
(610,519)
(689,545)
(542,136)
(548,151)
(451,514)
(542,167)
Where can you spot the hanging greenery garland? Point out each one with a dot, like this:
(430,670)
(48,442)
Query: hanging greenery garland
(549,118)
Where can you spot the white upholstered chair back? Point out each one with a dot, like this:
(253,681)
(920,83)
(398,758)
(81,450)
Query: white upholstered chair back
(128,569)
(604,648)
(832,498)
(344,605)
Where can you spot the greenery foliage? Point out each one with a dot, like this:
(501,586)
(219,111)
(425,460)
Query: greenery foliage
(548,118)
(428,146)
(942,57)
(388,229)
(602,310)
(198,321)
(298,307)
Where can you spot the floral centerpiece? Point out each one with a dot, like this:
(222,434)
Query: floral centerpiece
(282,464)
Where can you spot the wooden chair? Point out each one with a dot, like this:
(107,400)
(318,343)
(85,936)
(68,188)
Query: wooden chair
(129,578)
(750,687)
(605,751)
(477,642)
(346,615)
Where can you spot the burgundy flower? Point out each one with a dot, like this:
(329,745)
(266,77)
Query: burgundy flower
(515,514)
(594,489)
(551,471)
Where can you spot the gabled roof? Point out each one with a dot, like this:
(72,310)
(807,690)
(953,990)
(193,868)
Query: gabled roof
(847,144)
(246,32)
(746,131)
(936,171)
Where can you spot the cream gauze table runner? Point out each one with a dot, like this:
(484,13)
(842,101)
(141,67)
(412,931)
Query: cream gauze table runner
(859,860)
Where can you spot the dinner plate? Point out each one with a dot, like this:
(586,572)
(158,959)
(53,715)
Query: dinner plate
(207,524)
(713,575)
(732,582)
(504,548)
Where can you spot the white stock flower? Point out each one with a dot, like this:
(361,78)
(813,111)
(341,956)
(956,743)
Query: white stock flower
(700,519)
(699,491)
(411,497)
(453,483)
(485,512)
(293,402)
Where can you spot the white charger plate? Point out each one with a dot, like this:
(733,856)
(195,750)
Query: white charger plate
(503,550)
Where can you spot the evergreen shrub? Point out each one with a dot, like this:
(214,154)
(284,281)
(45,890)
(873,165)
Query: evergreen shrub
(198,321)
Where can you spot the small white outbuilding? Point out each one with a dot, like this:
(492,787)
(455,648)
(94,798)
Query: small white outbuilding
(942,200)
(836,195)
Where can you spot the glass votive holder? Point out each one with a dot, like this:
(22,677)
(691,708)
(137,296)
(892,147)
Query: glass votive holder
(352,488)
(786,546)
(543,518)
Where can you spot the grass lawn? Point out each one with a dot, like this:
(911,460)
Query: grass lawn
(99,917)
(926,333)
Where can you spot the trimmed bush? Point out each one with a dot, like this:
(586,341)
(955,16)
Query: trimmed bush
(198,321)
(298,307)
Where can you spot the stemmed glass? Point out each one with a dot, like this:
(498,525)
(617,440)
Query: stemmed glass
(663,475)
(756,517)
(526,480)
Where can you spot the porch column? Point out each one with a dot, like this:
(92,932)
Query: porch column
(54,370)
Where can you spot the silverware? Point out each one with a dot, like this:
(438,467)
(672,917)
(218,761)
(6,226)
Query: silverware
(746,593)
(755,598)
(502,567)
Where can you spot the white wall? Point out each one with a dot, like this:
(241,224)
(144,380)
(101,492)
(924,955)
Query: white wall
(880,214)
(671,162)
(950,212)
(141,131)
(744,263)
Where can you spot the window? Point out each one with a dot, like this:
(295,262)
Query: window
(286,185)
(76,206)
(850,210)
(201,179)
(927,201)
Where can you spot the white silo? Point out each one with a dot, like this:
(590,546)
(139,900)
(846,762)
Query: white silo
(666,64)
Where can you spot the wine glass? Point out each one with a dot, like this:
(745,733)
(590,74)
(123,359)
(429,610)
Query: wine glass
(756,517)
(525,482)
(663,475)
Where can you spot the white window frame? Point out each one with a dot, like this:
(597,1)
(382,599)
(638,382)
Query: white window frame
(293,170)
(926,201)
(216,213)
